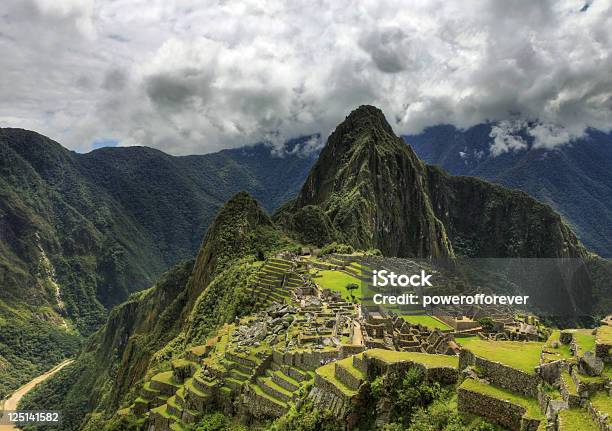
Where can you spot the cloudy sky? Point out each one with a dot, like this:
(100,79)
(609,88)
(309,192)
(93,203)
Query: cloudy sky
(197,76)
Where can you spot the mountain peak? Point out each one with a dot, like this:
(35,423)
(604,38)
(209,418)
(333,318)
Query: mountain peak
(369,115)
(370,186)
(240,229)
(366,125)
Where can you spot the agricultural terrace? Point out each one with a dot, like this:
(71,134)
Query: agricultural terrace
(529,404)
(604,335)
(524,356)
(585,340)
(554,349)
(428,360)
(427,321)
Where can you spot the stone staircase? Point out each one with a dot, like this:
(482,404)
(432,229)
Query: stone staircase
(274,281)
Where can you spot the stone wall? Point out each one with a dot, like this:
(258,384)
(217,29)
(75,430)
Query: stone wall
(502,375)
(375,367)
(551,372)
(466,359)
(294,374)
(260,406)
(163,387)
(308,360)
(360,364)
(602,351)
(261,368)
(347,377)
(329,387)
(549,405)
(444,375)
(339,406)
(346,350)
(501,412)
(602,420)
(587,388)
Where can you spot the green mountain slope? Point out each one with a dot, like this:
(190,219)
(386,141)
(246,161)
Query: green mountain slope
(147,330)
(80,232)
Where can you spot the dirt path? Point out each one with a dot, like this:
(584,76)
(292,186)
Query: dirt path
(11,403)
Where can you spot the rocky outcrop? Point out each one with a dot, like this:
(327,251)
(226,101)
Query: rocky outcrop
(488,220)
(590,364)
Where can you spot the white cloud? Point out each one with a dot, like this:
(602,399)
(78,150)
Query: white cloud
(506,137)
(197,76)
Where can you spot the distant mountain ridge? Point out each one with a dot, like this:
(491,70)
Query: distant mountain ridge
(575,179)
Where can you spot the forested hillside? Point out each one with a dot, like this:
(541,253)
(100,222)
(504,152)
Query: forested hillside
(80,232)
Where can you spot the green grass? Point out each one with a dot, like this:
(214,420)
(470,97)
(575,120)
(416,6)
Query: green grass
(337,281)
(562,351)
(552,392)
(602,402)
(604,335)
(276,386)
(327,372)
(523,356)
(347,364)
(569,383)
(427,321)
(429,360)
(148,388)
(182,363)
(165,377)
(172,402)
(584,340)
(189,387)
(287,378)
(575,420)
(532,410)
(163,411)
(592,379)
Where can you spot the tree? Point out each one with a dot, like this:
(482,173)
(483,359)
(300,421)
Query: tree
(350,288)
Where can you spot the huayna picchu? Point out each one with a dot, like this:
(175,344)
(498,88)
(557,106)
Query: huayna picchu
(272,327)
